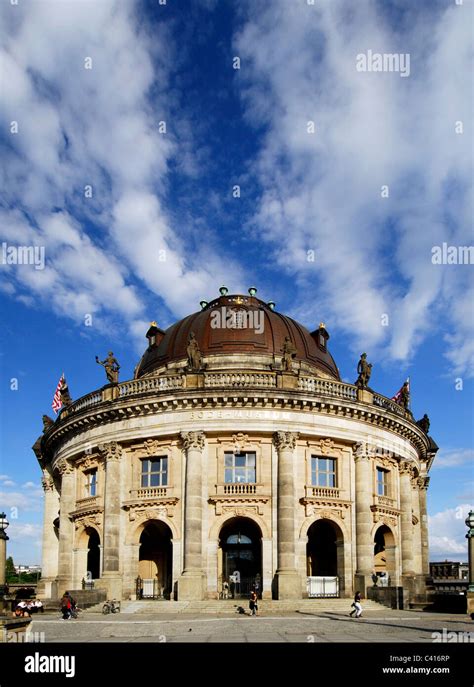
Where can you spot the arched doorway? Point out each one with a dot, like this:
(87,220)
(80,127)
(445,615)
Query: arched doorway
(93,554)
(324,559)
(384,556)
(155,561)
(240,541)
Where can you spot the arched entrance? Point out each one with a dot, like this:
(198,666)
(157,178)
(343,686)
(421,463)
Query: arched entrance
(93,554)
(155,561)
(240,541)
(384,556)
(324,559)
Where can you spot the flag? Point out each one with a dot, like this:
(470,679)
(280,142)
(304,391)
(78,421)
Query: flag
(57,402)
(398,396)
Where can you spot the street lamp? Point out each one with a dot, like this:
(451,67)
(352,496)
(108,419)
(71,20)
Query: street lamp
(470,537)
(3,551)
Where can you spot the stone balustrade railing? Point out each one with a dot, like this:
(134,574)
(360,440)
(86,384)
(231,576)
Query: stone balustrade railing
(138,386)
(236,380)
(237,489)
(150,492)
(326,387)
(240,380)
(388,404)
(322,492)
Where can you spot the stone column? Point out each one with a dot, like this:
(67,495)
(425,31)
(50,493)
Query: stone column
(406,518)
(417,547)
(364,519)
(67,504)
(423,483)
(191,584)
(49,565)
(111,573)
(287,576)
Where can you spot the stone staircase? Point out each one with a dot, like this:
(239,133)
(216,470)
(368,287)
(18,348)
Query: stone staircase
(230,607)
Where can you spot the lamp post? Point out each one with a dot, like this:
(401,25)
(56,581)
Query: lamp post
(3,551)
(470,537)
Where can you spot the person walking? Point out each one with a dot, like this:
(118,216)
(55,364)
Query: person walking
(357,607)
(253,603)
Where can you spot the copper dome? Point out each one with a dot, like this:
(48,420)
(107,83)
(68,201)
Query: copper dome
(255,347)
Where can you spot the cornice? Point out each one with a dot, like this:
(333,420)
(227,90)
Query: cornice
(187,400)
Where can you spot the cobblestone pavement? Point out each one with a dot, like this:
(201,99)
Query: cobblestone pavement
(374,626)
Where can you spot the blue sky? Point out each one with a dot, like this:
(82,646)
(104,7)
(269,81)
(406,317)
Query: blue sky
(369,170)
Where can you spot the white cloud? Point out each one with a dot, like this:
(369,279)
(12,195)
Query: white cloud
(447,532)
(322,191)
(454,457)
(29,485)
(95,127)
(31,501)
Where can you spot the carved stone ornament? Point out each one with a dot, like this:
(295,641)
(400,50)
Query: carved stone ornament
(64,467)
(361,451)
(239,440)
(89,461)
(89,521)
(151,447)
(148,514)
(111,450)
(47,482)
(423,482)
(285,440)
(326,446)
(406,468)
(193,440)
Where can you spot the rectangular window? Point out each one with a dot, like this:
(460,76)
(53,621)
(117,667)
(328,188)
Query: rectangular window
(382,482)
(240,467)
(323,471)
(91,483)
(155,472)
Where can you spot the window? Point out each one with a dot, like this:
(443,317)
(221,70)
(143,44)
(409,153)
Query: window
(155,472)
(91,483)
(240,467)
(323,471)
(382,482)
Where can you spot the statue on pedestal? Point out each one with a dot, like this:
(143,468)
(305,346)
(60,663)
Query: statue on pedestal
(66,399)
(47,423)
(424,423)
(364,370)
(194,354)
(289,352)
(111,367)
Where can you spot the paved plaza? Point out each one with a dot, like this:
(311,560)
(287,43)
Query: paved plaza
(375,626)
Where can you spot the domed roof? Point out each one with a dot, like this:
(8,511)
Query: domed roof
(236,332)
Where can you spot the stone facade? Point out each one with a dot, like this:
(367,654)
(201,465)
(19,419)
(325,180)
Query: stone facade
(183,535)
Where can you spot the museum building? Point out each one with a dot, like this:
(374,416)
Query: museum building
(235,459)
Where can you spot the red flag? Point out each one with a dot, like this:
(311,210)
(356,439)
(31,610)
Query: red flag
(398,395)
(57,402)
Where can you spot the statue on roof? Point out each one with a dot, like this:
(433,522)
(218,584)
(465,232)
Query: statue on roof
(364,370)
(47,423)
(289,352)
(424,423)
(66,399)
(194,354)
(111,367)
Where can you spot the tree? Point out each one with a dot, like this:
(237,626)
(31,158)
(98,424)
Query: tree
(10,572)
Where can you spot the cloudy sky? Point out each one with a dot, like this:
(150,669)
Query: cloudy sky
(156,151)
